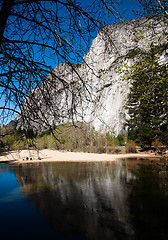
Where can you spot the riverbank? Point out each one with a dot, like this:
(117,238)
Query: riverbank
(48,155)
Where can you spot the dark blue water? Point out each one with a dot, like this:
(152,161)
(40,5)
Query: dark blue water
(19,219)
(126,199)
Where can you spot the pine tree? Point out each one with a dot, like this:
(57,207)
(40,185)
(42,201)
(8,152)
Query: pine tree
(148,99)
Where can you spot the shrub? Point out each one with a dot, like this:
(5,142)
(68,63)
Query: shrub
(117,150)
(18,145)
(156,144)
(42,142)
(100,149)
(131,147)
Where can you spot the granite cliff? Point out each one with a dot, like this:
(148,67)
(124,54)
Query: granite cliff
(92,91)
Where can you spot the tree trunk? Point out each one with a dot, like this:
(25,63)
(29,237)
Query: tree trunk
(4,14)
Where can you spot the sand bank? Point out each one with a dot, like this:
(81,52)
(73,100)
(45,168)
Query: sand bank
(48,155)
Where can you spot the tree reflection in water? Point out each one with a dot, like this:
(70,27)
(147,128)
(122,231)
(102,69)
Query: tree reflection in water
(94,200)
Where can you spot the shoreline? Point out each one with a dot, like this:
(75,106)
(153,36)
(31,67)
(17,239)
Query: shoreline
(48,155)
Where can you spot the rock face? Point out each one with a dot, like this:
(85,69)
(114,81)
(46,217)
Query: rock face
(93,91)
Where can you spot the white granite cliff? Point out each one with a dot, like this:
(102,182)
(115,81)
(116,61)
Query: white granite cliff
(92,91)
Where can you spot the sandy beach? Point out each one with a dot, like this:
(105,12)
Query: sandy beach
(48,155)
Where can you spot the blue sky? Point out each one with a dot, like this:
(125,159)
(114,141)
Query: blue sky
(125,7)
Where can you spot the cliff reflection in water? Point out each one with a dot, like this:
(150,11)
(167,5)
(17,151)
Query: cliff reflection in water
(80,198)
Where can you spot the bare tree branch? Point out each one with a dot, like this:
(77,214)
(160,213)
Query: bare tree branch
(162,7)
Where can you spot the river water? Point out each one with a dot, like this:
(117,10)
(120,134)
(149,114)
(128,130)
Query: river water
(120,200)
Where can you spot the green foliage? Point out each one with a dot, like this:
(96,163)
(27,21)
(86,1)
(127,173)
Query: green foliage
(16,139)
(29,133)
(78,137)
(110,139)
(120,140)
(133,53)
(148,100)
(65,137)
(42,142)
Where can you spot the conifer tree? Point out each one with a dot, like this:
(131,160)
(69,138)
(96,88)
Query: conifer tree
(148,99)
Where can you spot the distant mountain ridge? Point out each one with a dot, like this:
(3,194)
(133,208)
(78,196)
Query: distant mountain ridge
(92,91)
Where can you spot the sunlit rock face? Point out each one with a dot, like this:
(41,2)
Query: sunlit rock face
(93,91)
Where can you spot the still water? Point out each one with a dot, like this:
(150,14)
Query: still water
(118,201)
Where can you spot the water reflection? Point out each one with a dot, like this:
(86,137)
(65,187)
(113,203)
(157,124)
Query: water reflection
(148,203)
(87,199)
(117,200)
